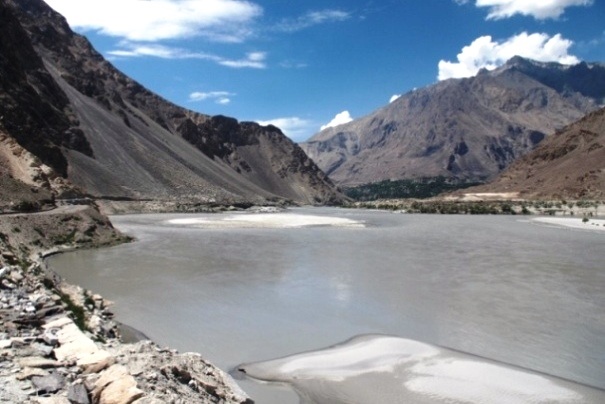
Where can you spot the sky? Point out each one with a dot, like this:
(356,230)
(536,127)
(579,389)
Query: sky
(307,65)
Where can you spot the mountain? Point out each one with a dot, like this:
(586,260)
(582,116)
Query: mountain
(468,129)
(84,121)
(568,165)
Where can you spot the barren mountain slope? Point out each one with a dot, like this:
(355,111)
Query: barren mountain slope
(568,165)
(110,136)
(465,128)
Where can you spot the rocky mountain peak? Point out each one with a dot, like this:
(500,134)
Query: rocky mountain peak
(468,129)
(109,135)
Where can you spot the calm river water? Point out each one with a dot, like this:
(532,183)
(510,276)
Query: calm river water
(500,287)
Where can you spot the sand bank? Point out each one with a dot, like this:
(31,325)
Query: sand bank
(265,220)
(574,223)
(375,368)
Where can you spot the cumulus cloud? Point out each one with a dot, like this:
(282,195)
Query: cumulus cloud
(137,20)
(486,53)
(219,97)
(394,97)
(539,9)
(339,119)
(255,60)
(295,128)
(312,18)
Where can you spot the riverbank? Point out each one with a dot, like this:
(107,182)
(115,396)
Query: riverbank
(409,371)
(60,344)
(493,204)
(573,223)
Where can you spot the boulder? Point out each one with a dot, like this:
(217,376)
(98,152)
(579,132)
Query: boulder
(116,386)
(37,362)
(77,394)
(51,383)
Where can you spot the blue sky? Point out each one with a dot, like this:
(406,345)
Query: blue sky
(305,64)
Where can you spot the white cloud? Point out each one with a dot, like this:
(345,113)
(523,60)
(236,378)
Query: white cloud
(539,9)
(339,119)
(138,20)
(295,128)
(312,18)
(483,52)
(394,98)
(219,97)
(255,60)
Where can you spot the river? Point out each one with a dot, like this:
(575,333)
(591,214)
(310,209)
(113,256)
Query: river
(251,287)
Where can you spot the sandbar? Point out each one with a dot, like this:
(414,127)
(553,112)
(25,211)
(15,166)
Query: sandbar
(573,223)
(379,368)
(265,220)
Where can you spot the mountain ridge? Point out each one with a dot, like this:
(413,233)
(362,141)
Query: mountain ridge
(569,165)
(112,137)
(469,128)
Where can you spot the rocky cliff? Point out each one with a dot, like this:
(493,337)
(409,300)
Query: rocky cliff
(570,165)
(111,137)
(462,128)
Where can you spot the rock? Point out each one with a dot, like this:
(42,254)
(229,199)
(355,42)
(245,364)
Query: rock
(6,343)
(43,349)
(50,336)
(16,276)
(116,386)
(51,400)
(77,394)
(49,311)
(99,302)
(48,384)
(73,344)
(96,362)
(37,362)
(28,373)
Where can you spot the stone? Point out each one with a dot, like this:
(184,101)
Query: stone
(16,276)
(6,343)
(50,336)
(74,345)
(58,322)
(52,400)
(116,386)
(48,384)
(42,349)
(77,394)
(96,362)
(37,362)
(28,373)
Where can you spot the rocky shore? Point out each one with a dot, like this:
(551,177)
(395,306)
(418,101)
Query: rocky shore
(60,343)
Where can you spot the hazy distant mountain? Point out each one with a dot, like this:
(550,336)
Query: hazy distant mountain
(469,128)
(61,101)
(568,165)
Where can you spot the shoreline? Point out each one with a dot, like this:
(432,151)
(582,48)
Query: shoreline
(133,345)
(59,343)
(419,372)
(587,224)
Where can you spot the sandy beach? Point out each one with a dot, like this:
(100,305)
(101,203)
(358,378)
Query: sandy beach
(573,223)
(412,371)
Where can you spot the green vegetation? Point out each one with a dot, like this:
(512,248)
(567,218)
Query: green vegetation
(77,311)
(419,188)
(67,238)
(436,206)
(26,207)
